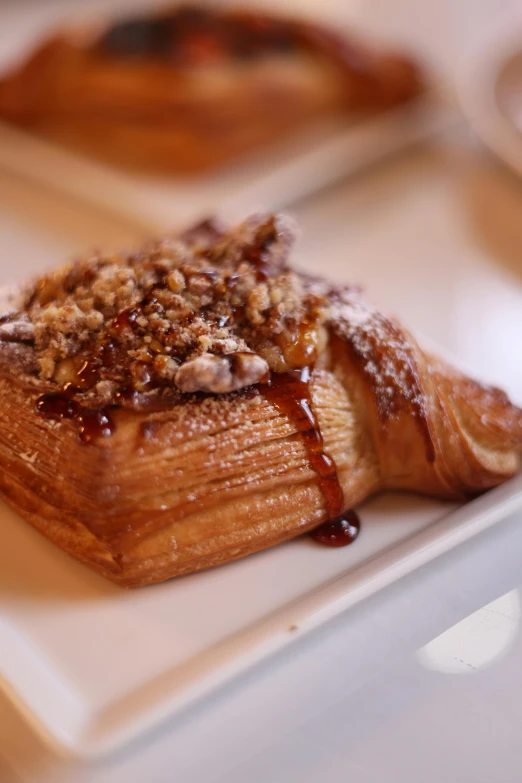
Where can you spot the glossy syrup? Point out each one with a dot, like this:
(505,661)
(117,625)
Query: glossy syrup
(290,393)
(93,423)
(338,532)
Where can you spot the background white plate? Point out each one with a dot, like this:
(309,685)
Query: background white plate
(276,177)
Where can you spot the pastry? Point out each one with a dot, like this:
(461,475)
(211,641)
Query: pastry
(173,409)
(192,87)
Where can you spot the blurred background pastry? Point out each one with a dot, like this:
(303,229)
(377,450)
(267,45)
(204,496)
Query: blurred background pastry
(191,87)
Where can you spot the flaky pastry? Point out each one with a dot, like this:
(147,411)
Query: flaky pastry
(174,409)
(192,87)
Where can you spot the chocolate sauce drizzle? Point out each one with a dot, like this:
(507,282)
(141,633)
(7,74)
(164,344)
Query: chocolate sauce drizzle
(290,393)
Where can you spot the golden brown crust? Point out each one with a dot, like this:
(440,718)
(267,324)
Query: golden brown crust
(217,478)
(191,480)
(180,490)
(196,106)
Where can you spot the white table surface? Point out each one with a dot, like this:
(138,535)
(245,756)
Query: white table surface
(371,697)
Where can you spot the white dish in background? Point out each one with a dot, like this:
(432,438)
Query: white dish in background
(490,92)
(273,178)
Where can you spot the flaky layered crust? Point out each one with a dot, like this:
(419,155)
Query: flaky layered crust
(214,478)
(173,492)
(158,113)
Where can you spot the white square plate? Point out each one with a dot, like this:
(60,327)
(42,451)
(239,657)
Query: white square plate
(93,666)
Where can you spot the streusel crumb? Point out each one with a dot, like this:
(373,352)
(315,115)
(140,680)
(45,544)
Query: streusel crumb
(210,310)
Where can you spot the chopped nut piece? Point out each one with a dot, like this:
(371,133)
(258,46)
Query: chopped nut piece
(219,375)
(165,366)
(17,331)
(258,301)
(176,281)
(210,311)
(47,366)
(65,372)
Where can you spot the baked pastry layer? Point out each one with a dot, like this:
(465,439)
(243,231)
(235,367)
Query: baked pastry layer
(143,480)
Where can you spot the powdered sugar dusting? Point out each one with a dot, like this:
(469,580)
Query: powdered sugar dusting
(385,355)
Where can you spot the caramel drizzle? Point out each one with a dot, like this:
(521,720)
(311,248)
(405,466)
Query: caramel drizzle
(290,394)
(338,532)
(93,423)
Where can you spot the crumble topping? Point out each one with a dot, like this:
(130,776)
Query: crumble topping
(207,311)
